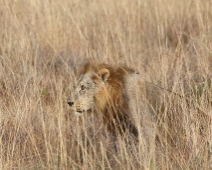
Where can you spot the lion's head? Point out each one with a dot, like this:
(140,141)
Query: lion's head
(90,84)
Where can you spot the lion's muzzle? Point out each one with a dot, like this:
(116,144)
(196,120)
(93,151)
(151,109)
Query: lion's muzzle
(70,103)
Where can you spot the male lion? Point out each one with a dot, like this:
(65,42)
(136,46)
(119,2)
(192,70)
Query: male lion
(127,103)
(117,93)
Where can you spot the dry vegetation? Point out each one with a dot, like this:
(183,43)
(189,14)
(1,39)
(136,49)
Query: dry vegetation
(41,44)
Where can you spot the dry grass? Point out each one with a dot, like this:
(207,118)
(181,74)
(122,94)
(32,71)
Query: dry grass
(42,42)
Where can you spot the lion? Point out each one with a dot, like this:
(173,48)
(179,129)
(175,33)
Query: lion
(113,92)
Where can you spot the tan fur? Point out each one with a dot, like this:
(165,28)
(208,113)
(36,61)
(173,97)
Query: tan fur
(113,92)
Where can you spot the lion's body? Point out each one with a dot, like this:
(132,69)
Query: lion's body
(127,103)
(117,93)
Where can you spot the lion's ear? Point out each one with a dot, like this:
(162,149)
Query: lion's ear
(104,74)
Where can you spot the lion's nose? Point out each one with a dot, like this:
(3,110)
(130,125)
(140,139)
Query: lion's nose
(70,103)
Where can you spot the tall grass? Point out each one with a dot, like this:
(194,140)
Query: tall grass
(43,42)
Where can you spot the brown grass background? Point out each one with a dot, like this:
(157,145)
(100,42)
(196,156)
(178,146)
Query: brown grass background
(43,42)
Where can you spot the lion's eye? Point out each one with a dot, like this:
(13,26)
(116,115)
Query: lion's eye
(83,87)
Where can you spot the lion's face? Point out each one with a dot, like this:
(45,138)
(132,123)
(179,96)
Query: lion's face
(81,100)
(83,97)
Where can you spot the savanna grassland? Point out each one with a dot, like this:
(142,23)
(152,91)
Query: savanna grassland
(43,42)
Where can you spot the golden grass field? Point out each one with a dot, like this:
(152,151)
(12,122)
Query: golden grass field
(42,43)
